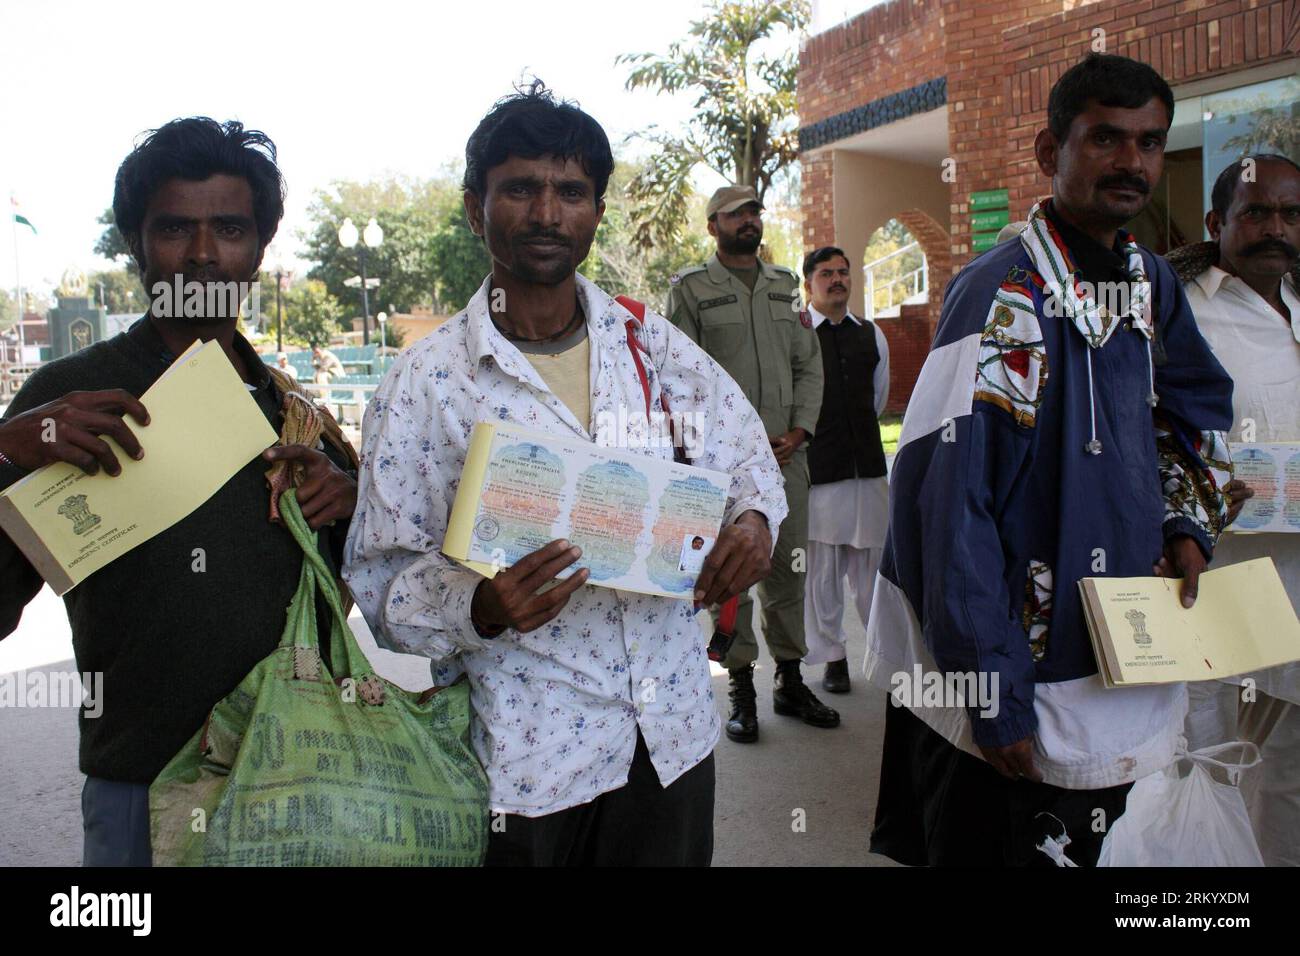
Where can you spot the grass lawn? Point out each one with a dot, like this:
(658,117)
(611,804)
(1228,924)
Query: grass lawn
(890,426)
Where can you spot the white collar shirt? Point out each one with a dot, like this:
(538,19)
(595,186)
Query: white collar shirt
(555,711)
(1261,351)
(1257,347)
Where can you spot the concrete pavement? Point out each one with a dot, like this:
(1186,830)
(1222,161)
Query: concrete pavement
(800,796)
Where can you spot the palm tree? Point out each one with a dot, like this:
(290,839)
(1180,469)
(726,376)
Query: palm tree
(745,125)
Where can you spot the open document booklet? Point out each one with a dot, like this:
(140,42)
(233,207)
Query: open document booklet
(1141,633)
(1272,471)
(203,427)
(643,524)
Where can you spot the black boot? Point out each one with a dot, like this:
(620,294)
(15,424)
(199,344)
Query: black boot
(793,698)
(742,725)
(836,678)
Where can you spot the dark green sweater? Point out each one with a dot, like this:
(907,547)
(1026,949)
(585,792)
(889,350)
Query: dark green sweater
(169,641)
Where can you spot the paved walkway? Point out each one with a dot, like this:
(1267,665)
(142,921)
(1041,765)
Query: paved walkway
(799,797)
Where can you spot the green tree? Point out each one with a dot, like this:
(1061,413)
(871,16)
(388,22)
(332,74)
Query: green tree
(122,290)
(740,64)
(622,267)
(311,314)
(110,243)
(888,239)
(460,259)
(407,210)
(8,310)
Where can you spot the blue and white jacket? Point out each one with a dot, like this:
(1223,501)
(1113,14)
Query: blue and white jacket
(1031,457)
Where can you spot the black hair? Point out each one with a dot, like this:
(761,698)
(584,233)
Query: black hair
(195,148)
(1110,80)
(818,256)
(530,123)
(1225,187)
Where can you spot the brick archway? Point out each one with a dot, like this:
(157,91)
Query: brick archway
(935,243)
(910,334)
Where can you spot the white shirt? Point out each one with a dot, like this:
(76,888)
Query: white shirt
(555,711)
(855,511)
(1261,351)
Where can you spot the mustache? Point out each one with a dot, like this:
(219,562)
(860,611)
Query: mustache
(837,288)
(1135,183)
(1271,245)
(544,236)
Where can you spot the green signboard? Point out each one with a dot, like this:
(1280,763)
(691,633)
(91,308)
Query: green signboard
(984,221)
(983,241)
(989,199)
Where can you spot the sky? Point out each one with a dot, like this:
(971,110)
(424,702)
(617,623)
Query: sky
(346,91)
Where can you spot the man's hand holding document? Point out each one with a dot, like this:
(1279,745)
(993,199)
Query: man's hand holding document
(203,426)
(1141,633)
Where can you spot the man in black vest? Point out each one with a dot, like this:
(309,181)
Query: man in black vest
(848,505)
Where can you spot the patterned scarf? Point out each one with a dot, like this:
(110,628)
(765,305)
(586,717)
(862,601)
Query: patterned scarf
(1052,261)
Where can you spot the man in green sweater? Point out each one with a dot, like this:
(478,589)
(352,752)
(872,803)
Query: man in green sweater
(170,634)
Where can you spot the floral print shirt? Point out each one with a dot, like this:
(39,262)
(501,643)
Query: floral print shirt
(555,711)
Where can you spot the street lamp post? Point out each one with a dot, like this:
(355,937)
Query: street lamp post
(382,318)
(279,321)
(372,237)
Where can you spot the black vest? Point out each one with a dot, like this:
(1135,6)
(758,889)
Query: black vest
(847,442)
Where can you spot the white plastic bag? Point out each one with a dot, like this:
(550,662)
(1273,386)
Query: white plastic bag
(1192,820)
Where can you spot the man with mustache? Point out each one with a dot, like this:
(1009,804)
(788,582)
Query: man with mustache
(1049,438)
(1242,286)
(744,313)
(848,506)
(592,708)
(176,623)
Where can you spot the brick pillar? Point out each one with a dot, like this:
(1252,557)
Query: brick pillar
(818,200)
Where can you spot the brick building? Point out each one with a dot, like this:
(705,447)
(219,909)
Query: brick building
(909,107)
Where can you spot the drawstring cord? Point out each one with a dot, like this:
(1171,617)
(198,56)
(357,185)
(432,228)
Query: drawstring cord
(1152,397)
(1093,447)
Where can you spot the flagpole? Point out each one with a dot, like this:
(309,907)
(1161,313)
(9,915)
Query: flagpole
(18,279)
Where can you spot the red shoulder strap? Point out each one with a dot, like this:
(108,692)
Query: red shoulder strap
(634,344)
(632,305)
(727,618)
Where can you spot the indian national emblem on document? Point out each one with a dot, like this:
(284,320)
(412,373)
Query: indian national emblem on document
(78,512)
(1139,622)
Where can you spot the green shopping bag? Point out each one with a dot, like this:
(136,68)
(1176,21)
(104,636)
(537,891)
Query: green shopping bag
(298,767)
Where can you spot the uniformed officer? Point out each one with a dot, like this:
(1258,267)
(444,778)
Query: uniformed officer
(745,313)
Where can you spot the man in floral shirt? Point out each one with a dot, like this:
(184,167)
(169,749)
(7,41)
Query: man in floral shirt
(593,712)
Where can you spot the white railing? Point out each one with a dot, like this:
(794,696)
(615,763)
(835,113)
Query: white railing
(918,280)
(358,398)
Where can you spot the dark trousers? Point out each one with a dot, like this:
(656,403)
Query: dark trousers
(940,806)
(639,824)
(115,822)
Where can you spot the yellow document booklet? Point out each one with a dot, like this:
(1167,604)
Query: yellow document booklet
(203,427)
(1141,633)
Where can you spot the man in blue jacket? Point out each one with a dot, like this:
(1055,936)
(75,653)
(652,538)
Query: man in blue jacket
(1067,423)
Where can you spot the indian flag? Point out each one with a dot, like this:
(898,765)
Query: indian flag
(19,217)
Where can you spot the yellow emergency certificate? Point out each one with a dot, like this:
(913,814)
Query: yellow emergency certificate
(204,427)
(1141,633)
